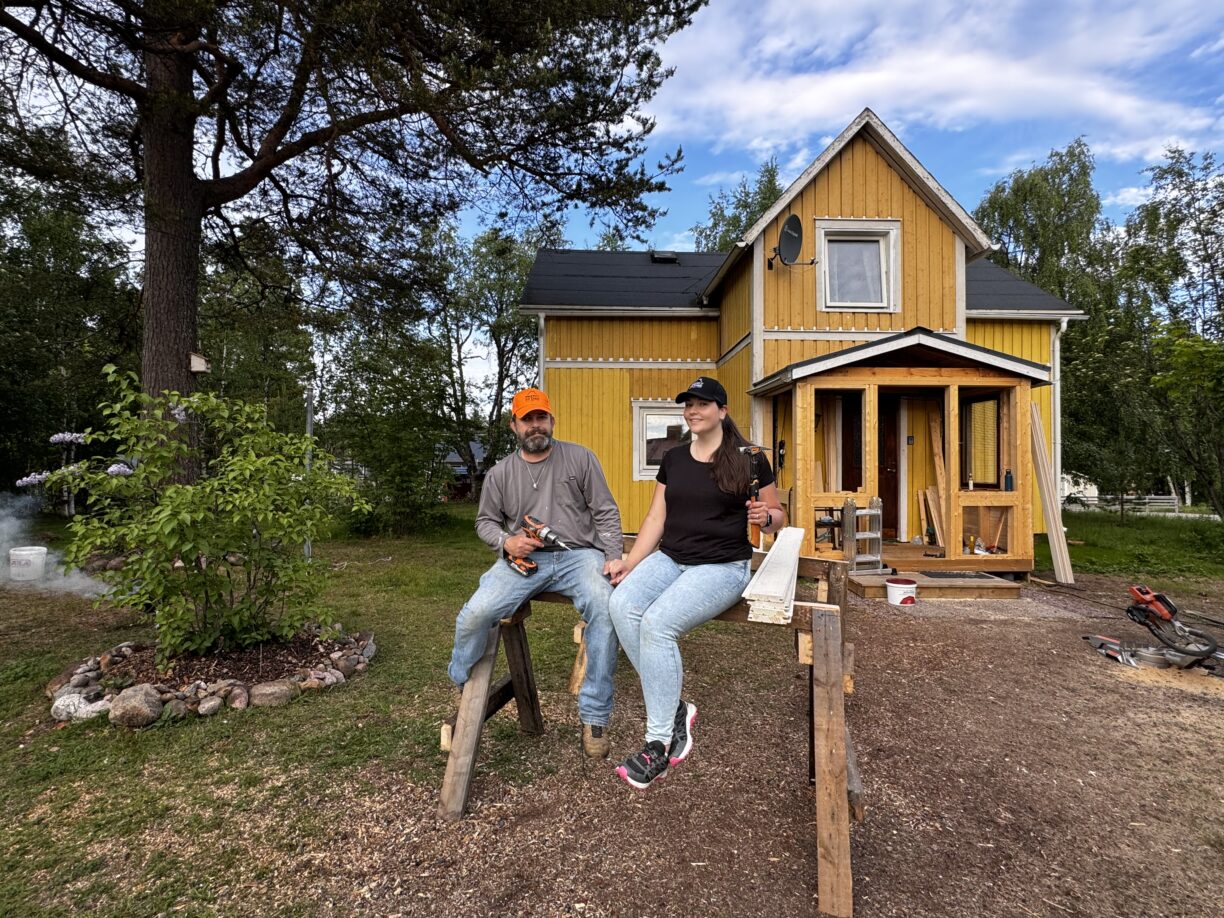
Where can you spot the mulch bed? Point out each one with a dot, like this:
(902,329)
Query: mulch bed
(262,663)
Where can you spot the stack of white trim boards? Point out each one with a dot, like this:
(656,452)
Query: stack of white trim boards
(771,594)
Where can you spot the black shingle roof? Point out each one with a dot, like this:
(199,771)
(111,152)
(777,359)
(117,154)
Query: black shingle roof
(989,287)
(569,277)
(627,280)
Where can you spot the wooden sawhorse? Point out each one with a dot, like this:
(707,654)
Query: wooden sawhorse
(831,765)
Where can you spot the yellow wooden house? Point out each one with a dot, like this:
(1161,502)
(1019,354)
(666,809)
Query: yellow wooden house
(862,337)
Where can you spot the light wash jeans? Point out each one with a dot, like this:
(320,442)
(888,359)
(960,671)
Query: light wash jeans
(577,574)
(659,601)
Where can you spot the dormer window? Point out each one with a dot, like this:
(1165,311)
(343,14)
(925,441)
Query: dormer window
(859,265)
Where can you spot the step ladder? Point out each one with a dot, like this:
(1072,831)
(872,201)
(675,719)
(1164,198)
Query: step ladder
(863,535)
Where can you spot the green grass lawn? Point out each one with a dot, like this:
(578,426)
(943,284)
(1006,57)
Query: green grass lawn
(186,816)
(1162,549)
(152,806)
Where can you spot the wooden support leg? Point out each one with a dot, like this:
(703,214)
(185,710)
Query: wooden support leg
(522,677)
(468,726)
(499,696)
(854,782)
(834,883)
(578,673)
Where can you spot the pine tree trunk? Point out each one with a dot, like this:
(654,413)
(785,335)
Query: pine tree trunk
(173,216)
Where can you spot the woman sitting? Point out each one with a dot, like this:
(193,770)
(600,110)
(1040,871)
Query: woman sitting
(698,519)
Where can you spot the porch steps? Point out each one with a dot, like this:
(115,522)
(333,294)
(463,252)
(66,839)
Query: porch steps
(972,585)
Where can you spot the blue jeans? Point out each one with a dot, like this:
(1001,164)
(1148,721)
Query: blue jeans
(577,574)
(659,601)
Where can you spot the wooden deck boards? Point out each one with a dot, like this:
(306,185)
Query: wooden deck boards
(979,586)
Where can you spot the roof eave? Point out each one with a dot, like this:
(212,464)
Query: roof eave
(620,312)
(732,257)
(1038,373)
(1046,315)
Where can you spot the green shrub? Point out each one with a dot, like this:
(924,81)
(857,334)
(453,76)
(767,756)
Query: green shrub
(218,560)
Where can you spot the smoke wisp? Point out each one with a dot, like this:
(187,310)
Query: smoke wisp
(18,513)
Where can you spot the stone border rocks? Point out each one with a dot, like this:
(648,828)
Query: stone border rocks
(81,692)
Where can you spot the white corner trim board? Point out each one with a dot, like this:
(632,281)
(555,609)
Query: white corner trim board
(771,592)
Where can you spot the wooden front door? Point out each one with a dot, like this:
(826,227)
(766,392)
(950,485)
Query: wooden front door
(890,411)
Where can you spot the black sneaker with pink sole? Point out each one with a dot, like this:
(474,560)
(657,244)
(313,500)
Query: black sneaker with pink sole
(643,768)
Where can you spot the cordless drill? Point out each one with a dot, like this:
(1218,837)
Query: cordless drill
(536,530)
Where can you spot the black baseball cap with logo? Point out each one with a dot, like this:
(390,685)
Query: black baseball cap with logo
(704,387)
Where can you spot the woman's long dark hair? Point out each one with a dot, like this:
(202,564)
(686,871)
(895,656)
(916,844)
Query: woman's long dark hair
(731,468)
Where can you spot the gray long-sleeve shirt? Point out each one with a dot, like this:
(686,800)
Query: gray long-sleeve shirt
(567,492)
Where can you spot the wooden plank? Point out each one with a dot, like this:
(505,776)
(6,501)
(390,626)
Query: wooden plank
(803,652)
(939,508)
(936,516)
(522,677)
(500,695)
(578,672)
(771,592)
(465,743)
(809,567)
(818,482)
(998,530)
(854,782)
(834,883)
(1049,502)
(801,615)
(922,514)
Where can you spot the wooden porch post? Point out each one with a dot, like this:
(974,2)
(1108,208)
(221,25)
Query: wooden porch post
(952,510)
(802,459)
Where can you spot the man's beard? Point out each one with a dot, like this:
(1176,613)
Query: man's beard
(536,442)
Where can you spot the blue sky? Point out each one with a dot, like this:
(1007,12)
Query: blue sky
(973,91)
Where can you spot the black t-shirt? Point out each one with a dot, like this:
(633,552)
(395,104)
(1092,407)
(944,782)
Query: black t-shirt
(704,525)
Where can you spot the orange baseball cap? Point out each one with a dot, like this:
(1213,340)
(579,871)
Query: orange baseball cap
(529,400)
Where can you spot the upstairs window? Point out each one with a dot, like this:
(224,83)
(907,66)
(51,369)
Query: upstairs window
(860,265)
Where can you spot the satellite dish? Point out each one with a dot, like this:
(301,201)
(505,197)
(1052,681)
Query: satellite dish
(790,240)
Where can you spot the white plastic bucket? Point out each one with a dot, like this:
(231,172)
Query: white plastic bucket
(29,563)
(901,591)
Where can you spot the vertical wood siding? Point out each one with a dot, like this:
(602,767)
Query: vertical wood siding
(593,407)
(859,182)
(782,353)
(1030,341)
(735,306)
(642,339)
(734,375)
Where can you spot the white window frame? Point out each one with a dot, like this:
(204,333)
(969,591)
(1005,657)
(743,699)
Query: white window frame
(642,407)
(888,234)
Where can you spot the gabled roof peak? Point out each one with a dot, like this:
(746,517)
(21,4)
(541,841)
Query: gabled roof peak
(893,150)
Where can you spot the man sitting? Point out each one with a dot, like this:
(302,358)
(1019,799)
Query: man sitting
(562,485)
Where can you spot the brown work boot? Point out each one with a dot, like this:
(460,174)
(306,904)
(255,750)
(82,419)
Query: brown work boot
(595,744)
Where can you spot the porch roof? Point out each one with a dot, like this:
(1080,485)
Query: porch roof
(916,347)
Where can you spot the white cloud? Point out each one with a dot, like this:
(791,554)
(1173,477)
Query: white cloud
(677,242)
(1207,50)
(1126,197)
(771,77)
(721,178)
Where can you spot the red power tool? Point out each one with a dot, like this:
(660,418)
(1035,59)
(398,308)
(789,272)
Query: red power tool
(536,530)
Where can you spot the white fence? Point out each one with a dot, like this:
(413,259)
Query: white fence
(1146,503)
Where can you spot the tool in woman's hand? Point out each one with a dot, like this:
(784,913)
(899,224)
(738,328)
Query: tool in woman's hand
(754,486)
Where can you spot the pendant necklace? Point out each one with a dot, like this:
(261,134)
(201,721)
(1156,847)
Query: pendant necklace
(535,479)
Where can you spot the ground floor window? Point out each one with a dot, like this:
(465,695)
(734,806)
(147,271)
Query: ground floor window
(657,427)
(979,435)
